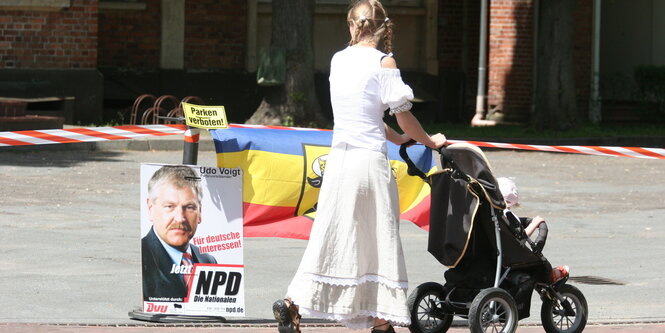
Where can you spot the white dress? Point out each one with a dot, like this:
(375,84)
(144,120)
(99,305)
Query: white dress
(353,269)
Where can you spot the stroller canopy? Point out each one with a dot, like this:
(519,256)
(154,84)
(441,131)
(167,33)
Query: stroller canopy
(455,202)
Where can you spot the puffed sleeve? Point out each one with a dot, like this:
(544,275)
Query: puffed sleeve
(394,92)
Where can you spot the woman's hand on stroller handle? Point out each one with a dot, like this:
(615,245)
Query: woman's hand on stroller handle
(446,159)
(439,141)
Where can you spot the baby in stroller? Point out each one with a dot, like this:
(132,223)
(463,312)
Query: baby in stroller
(493,265)
(511,196)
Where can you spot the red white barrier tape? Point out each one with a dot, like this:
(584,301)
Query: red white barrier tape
(92,134)
(74,135)
(77,135)
(636,152)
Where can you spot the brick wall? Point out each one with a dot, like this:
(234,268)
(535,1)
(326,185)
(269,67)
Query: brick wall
(451,36)
(510,70)
(216,34)
(49,39)
(131,38)
(510,57)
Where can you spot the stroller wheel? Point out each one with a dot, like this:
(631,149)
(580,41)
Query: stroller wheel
(426,311)
(493,310)
(567,315)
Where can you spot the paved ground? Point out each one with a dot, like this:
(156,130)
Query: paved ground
(70,251)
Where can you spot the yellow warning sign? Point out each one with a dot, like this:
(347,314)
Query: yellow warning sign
(205,116)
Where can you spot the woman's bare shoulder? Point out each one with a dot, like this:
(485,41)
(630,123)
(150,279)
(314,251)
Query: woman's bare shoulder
(388,62)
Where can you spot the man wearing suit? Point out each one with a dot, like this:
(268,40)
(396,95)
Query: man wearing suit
(174,208)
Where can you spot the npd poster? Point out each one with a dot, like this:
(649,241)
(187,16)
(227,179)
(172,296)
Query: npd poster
(191,240)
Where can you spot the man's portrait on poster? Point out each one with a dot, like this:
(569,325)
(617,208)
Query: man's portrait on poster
(174,210)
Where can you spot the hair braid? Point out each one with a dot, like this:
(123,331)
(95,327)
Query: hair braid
(360,26)
(388,37)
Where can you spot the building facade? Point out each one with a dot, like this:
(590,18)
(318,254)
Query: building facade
(108,52)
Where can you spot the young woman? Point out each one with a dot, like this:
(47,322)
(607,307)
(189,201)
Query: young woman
(353,269)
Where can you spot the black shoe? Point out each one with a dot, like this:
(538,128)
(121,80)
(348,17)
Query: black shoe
(281,311)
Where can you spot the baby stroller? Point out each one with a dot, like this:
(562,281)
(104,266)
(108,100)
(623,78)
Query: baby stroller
(493,266)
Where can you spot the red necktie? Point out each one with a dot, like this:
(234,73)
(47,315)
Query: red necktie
(187,261)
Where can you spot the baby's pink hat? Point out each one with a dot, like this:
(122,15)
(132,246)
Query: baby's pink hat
(509,191)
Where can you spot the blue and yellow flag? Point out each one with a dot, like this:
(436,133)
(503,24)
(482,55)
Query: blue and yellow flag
(282,172)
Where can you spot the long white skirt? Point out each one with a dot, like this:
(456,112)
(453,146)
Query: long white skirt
(353,269)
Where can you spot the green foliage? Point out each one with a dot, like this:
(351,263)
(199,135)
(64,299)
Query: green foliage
(103,123)
(288,121)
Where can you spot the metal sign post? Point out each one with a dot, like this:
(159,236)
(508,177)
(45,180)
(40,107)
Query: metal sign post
(190,149)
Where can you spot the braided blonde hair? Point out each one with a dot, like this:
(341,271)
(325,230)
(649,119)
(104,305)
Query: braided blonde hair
(369,21)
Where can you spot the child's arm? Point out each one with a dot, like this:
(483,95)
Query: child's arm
(533,225)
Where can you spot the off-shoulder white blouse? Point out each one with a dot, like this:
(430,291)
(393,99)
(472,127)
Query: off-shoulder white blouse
(360,92)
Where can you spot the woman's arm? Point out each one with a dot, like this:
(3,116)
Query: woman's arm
(395,137)
(411,126)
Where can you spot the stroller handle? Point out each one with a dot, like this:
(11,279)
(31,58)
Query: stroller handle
(412,169)
(539,243)
(446,159)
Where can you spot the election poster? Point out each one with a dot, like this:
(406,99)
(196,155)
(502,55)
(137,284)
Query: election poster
(192,240)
